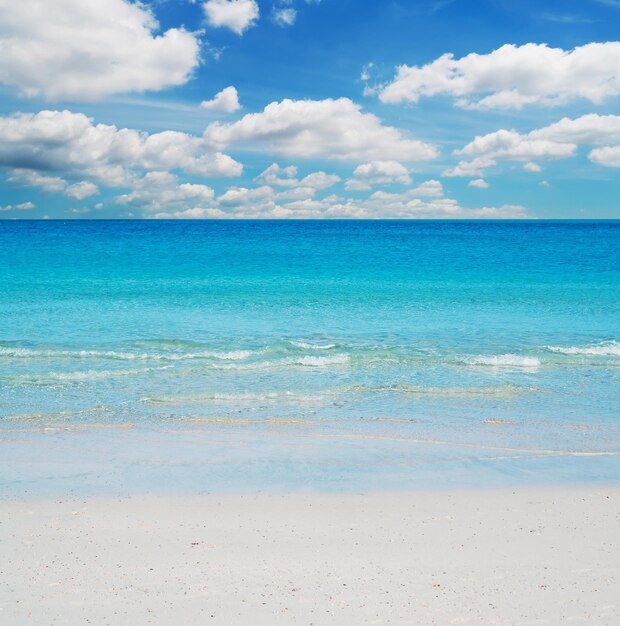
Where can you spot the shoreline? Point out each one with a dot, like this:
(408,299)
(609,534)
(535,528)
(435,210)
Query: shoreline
(524,555)
(114,460)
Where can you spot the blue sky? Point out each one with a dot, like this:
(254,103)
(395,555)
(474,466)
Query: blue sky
(330,108)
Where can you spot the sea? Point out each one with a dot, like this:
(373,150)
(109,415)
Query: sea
(276,356)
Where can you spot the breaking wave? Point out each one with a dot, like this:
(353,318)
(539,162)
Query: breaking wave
(606,348)
(50,378)
(27,353)
(306,345)
(507,361)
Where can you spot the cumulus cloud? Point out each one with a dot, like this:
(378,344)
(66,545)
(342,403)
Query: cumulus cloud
(296,193)
(424,201)
(428,189)
(378,173)
(608,156)
(480,183)
(587,129)
(319,180)
(24,206)
(30,178)
(81,190)
(513,76)
(469,169)
(240,196)
(417,208)
(277,175)
(159,195)
(333,129)
(69,142)
(162,190)
(287,177)
(226,101)
(559,140)
(196,213)
(532,167)
(509,144)
(71,49)
(236,15)
(335,208)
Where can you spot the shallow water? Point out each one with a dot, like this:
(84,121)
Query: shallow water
(214,355)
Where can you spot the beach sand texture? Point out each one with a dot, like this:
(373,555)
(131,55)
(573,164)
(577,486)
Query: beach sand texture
(511,557)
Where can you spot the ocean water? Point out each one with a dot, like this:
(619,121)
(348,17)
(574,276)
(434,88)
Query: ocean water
(212,355)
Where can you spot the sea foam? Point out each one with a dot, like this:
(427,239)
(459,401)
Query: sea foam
(507,360)
(306,345)
(606,348)
(27,353)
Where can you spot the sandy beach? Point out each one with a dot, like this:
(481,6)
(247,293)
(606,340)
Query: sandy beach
(525,556)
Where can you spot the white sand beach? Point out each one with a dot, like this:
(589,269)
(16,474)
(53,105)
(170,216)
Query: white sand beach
(511,557)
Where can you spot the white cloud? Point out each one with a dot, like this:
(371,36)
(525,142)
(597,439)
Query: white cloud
(469,169)
(69,142)
(513,76)
(556,141)
(532,167)
(428,189)
(319,180)
(296,193)
(30,178)
(77,50)
(608,156)
(226,101)
(480,183)
(240,196)
(379,205)
(158,191)
(509,144)
(366,72)
(277,175)
(378,173)
(287,177)
(24,206)
(333,129)
(284,16)
(588,129)
(81,190)
(237,15)
(263,202)
(192,214)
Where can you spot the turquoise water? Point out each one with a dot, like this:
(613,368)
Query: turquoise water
(216,355)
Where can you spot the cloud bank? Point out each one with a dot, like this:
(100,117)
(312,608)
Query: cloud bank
(62,141)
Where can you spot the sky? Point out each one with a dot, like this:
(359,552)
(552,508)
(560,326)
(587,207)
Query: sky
(431,109)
